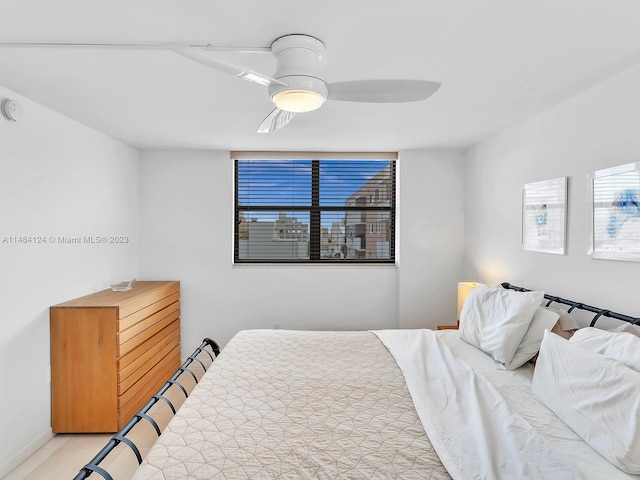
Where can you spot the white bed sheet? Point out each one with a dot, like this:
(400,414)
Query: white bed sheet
(487,434)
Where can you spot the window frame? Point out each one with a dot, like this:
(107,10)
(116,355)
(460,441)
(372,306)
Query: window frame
(315,210)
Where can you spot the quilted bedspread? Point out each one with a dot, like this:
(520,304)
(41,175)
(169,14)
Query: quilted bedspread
(295,405)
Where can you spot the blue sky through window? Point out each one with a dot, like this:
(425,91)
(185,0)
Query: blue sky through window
(288,182)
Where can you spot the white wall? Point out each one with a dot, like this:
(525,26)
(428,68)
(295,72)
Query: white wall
(186,201)
(595,129)
(57,178)
(431,202)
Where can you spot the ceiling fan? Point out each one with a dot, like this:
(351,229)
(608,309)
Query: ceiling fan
(297,85)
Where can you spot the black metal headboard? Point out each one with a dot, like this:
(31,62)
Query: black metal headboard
(599,312)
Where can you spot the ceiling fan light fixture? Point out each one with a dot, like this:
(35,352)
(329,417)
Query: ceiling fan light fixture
(298,101)
(302,93)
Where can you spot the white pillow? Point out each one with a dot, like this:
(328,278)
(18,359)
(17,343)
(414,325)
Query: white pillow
(543,319)
(495,319)
(597,397)
(624,347)
(627,327)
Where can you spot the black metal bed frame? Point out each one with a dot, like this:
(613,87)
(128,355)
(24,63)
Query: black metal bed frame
(120,437)
(599,312)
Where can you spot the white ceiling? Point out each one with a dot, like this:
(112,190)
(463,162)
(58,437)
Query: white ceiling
(499,61)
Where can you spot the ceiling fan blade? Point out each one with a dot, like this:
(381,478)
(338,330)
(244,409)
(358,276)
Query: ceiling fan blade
(275,121)
(382,91)
(210,60)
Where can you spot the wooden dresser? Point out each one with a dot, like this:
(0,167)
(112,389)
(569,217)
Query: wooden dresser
(110,352)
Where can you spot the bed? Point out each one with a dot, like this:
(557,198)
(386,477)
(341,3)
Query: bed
(409,404)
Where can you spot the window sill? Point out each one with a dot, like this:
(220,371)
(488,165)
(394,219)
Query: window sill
(314,265)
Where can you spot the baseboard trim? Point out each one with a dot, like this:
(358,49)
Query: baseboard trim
(28,450)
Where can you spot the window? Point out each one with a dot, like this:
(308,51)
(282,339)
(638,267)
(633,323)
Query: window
(314,208)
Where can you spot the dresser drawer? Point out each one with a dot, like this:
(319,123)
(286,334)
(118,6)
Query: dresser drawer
(135,397)
(150,297)
(152,376)
(129,321)
(143,331)
(136,369)
(139,356)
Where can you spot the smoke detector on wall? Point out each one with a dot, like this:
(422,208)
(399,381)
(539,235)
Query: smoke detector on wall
(11,110)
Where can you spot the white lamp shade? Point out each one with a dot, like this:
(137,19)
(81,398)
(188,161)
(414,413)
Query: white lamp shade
(464,289)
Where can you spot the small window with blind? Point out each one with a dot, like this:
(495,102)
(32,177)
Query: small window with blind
(314,208)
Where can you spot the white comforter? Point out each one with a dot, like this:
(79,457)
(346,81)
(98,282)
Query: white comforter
(484,423)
